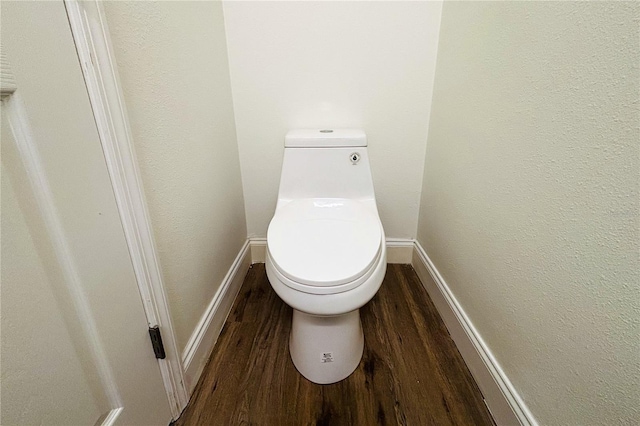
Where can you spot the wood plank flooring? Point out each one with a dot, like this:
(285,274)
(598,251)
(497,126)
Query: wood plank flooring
(411,372)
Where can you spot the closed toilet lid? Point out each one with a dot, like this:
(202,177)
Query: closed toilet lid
(324,242)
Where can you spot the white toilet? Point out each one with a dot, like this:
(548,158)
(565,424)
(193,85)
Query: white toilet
(326,253)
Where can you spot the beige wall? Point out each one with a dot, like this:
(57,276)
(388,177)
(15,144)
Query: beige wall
(334,64)
(172,61)
(530,204)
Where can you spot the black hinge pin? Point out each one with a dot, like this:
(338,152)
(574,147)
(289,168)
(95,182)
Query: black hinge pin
(156,342)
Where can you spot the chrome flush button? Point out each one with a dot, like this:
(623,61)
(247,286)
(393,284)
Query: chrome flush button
(354,157)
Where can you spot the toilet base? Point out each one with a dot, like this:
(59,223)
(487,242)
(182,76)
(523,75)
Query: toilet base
(326,349)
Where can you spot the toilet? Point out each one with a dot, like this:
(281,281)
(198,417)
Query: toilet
(326,253)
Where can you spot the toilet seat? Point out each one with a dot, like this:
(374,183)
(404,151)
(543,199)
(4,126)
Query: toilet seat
(324,245)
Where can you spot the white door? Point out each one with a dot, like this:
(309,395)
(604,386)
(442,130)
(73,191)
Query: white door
(75,344)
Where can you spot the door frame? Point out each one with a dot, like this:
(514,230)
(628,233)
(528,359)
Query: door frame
(99,68)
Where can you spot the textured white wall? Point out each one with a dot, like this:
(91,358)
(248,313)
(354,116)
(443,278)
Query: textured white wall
(530,205)
(172,60)
(334,64)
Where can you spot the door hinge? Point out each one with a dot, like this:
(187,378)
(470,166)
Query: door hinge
(156,342)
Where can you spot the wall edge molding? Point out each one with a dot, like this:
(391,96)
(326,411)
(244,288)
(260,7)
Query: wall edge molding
(97,61)
(111,418)
(501,397)
(205,334)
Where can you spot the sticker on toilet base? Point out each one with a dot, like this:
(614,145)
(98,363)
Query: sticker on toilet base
(326,357)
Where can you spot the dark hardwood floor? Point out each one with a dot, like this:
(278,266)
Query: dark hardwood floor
(411,372)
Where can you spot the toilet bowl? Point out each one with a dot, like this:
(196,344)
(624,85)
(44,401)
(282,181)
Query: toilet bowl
(326,252)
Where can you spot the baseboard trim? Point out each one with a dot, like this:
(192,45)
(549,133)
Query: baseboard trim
(502,399)
(504,402)
(258,250)
(205,335)
(398,250)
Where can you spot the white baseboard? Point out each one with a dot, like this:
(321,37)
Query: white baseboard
(506,406)
(206,333)
(501,398)
(258,250)
(398,250)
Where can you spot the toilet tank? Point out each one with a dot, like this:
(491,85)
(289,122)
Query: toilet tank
(324,163)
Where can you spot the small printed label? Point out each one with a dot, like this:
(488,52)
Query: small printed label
(326,357)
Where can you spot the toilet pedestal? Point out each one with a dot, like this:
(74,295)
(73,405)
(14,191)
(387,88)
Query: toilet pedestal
(326,349)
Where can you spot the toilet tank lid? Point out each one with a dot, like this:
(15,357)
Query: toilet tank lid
(324,138)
